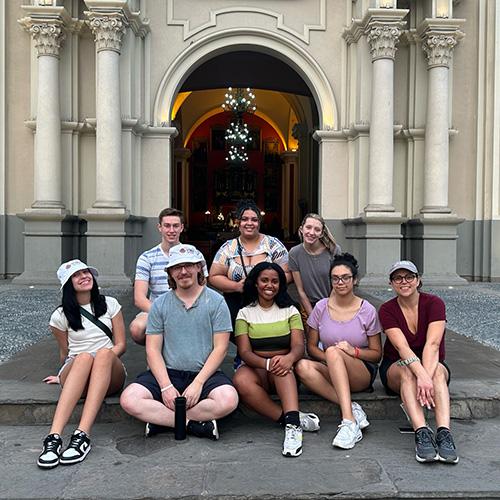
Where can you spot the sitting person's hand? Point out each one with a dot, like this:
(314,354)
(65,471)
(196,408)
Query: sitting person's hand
(52,379)
(280,365)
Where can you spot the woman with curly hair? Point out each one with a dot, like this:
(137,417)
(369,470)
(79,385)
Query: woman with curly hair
(269,336)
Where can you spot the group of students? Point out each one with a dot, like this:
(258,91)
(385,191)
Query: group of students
(186,327)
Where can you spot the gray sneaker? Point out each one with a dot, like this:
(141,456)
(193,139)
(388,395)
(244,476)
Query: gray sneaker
(446,447)
(425,446)
(309,422)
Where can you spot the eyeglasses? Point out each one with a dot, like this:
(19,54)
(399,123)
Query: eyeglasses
(406,277)
(178,268)
(342,279)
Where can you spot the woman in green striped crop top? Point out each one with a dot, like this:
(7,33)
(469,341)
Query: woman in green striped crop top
(270,340)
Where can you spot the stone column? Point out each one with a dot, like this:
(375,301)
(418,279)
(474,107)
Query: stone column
(432,237)
(375,236)
(437,44)
(47,227)
(305,189)
(108,30)
(382,36)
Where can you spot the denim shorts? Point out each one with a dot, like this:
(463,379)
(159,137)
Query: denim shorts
(181,380)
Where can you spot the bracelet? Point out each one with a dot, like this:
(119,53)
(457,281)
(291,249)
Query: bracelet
(356,352)
(408,361)
(268,360)
(166,388)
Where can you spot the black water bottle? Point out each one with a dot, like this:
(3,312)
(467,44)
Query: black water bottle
(180,418)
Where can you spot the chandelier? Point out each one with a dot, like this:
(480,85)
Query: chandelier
(238,101)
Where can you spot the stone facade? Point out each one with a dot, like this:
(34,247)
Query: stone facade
(398,146)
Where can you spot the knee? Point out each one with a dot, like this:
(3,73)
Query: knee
(84,358)
(243,383)
(334,355)
(440,376)
(104,355)
(130,400)
(407,376)
(303,368)
(228,399)
(137,332)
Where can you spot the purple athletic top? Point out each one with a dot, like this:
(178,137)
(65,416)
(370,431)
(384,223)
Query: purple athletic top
(356,331)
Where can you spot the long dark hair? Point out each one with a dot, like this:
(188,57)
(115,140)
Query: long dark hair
(250,295)
(71,308)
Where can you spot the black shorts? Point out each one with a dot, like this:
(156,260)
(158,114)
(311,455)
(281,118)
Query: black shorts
(181,380)
(372,368)
(387,363)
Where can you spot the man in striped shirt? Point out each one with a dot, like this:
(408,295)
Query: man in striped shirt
(151,280)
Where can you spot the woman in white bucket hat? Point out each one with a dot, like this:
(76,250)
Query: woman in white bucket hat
(90,331)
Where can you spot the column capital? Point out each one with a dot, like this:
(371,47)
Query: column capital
(439,37)
(108,29)
(382,37)
(47,26)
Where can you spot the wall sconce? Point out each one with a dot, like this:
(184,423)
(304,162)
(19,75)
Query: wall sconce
(442,9)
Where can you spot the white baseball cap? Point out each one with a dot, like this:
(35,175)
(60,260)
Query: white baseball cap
(184,254)
(69,268)
(404,264)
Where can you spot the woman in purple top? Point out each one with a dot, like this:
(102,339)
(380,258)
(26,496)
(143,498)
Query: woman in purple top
(348,328)
(413,364)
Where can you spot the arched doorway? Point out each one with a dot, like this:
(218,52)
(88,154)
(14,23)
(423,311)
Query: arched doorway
(293,99)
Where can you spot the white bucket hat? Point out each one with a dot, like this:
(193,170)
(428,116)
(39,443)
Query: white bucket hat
(69,268)
(184,254)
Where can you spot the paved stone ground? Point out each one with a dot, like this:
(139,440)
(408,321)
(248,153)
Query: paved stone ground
(246,463)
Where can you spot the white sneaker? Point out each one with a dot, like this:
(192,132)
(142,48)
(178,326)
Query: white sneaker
(292,445)
(309,422)
(348,435)
(359,415)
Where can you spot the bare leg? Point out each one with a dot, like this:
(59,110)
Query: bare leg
(400,379)
(441,397)
(252,386)
(74,380)
(314,375)
(346,374)
(137,401)
(286,387)
(106,377)
(138,328)
(220,402)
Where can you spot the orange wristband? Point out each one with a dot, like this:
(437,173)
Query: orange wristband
(356,352)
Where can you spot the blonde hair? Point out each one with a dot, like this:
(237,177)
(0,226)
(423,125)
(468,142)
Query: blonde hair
(326,236)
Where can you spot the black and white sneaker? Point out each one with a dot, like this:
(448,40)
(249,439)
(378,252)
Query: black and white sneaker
(206,429)
(154,429)
(78,448)
(49,458)
(446,447)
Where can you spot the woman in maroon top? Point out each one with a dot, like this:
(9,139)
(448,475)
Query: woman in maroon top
(413,364)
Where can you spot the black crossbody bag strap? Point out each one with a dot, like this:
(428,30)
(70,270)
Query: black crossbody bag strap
(240,253)
(97,322)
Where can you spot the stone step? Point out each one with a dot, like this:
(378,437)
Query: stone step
(469,400)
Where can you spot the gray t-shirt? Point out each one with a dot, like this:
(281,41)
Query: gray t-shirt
(188,333)
(314,271)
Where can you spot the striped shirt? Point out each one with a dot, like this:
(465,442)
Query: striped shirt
(268,329)
(151,268)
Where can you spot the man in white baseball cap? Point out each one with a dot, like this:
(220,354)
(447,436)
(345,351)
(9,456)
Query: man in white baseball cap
(187,337)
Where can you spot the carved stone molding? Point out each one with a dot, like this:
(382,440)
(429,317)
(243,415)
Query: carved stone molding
(438,48)
(382,39)
(108,29)
(48,38)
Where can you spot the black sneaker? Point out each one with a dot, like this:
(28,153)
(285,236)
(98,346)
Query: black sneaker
(78,448)
(206,429)
(446,447)
(49,458)
(154,429)
(425,446)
